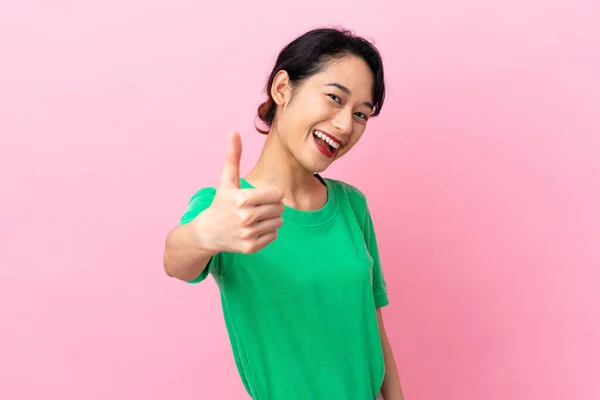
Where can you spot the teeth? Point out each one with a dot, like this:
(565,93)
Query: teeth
(327,140)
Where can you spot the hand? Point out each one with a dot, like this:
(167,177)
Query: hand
(241,220)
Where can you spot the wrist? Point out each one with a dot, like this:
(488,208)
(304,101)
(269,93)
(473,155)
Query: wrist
(201,233)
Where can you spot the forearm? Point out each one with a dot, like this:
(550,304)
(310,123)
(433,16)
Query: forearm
(185,256)
(391,388)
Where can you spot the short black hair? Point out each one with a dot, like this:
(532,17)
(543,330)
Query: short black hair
(309,54)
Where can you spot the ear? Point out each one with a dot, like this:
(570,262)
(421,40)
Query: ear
(281,90)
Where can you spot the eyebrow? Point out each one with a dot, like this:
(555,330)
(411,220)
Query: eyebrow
(348,92)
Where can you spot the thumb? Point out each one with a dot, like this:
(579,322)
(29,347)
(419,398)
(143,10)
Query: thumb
(230,176)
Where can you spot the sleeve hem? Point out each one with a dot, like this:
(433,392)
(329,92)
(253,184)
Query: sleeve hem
(200,277)
(204,274)
(381,300)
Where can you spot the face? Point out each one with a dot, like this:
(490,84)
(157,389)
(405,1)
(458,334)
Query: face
(323,118)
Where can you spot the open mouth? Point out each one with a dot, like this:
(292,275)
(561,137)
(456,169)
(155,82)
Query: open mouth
(327,145)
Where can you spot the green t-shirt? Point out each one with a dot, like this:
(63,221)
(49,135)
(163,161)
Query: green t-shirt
(301,312)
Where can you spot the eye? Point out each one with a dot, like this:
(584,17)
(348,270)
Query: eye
(361,115)
(335,98)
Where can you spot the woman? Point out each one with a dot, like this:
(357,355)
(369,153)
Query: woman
(294,254)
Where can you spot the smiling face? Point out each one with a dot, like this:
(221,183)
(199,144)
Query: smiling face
(324,117)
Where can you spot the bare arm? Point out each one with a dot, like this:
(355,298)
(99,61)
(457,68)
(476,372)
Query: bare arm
(391,390)
(237,220)
(185,255)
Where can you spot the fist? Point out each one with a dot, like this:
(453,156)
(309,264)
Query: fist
(241,220)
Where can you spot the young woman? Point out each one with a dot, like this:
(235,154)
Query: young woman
(294,254)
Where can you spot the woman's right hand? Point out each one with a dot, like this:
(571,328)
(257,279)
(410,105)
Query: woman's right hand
(239,220)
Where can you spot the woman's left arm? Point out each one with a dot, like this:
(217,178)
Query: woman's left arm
(391,390)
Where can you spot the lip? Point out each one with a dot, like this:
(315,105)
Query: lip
(323,148)
(330,136)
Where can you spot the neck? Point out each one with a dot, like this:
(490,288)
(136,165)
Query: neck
(277,166)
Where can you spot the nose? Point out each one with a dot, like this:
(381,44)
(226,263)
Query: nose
(343,122)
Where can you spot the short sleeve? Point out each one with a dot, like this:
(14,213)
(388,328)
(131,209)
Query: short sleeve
(198,203)
(379,285)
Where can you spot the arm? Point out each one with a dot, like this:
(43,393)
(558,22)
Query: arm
(391,389)
(185,255)
(236,220)
(226,218)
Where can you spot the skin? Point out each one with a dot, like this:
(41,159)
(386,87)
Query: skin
(290,158)
(391,388)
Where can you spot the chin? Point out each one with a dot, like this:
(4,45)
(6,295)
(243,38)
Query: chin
(319,170)
(315,169)
(315,166)
(316,162)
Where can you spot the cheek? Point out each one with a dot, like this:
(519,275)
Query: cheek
(291,123)
(346,149)
(357,135)
(304,113)
(353,141)
(315,109)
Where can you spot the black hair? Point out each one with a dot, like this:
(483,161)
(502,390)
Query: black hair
(310,53)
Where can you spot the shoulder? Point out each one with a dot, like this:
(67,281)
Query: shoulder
(348,192)
(204,193)
(197,203)
(347,189)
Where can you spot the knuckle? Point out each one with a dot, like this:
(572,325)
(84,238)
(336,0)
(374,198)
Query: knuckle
(249,247)
(246,217)
(241,198)
(275,192)
(246,234)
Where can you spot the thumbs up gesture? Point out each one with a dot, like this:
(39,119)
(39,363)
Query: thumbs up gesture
(241,220)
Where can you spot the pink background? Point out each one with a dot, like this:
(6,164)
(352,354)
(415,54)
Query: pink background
(112,113)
